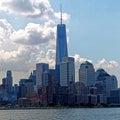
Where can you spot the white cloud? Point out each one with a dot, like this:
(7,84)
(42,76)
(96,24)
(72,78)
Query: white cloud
(47,57)
(28,8)
(79,60)
(103,63)
(35,34)
(31,8)
(21,49)
(112,67)
(65,16)
(107,64)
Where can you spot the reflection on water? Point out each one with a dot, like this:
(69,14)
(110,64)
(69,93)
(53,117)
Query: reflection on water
(62,114)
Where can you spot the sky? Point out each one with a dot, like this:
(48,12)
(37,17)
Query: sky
(28,34)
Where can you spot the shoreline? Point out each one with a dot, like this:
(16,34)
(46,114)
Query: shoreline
(61,107)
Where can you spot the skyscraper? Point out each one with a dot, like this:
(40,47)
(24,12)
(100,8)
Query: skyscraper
(110,82)
(87,74)
(61,46)
(67,71)
(9,80)
(33,76)
(40,68)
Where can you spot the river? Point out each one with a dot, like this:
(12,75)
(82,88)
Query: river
(62,114)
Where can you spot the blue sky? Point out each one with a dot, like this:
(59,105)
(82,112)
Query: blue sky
(28,33)
(94,27)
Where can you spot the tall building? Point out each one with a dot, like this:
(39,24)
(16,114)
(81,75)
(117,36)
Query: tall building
(40,69)
(87,74)
(26,86)
(115,81)
(9,80)
(45,78)
(115,96)
(61,46)
(107,81)
(67,71)
(52,73)
(33,76)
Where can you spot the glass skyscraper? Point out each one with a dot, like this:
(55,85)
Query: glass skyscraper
(61,47)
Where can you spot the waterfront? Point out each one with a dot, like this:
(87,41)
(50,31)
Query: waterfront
(62,114)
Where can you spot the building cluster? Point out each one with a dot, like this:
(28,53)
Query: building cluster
(57,86)
(43,88)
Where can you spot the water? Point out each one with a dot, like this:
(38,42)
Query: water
(62,114)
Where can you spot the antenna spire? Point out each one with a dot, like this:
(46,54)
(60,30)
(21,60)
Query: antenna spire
(61,14)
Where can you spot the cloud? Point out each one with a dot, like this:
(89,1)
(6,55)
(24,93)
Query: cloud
(103,63)
(35,34)
(107,64)
(31,8)
(5,29)
(112,66)
(28,8)
(22,49)
(5,32)
(79,60)
(47,57)
(64,15)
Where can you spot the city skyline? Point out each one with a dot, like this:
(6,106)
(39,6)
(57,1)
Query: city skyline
(28,34)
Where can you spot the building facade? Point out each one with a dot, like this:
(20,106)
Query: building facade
(9,80)
(40,69)
(87,74)
(67,71)
(61,44)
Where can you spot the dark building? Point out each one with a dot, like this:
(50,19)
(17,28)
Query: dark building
(104,83)
(115,96)
(33,76)
(9,80)
(53,76)
(26,86)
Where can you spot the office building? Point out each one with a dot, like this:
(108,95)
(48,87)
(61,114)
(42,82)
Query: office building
(114,81)
(67,71)
(45,79)
(115,96)
(40,68)
(9,80)
(26,86)
(106,81)
(33,76)
(87,74)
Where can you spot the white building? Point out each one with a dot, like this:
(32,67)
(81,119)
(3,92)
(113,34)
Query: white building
(67,71)
(87,74)
(40,68)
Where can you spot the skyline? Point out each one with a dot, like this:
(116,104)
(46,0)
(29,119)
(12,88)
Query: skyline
(28,34)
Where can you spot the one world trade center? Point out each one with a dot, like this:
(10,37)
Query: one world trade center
(61,45)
